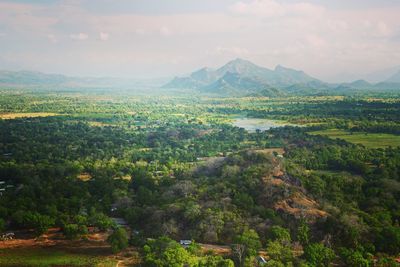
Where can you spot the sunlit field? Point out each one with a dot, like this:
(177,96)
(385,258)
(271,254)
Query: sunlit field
(8,116)
(370,140)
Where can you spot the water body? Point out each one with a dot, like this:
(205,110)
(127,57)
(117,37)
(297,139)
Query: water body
(252,124)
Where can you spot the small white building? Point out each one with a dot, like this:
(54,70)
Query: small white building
(185,243)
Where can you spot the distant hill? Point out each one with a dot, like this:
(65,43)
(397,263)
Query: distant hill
(39,80)
(353,86)
(235,84)
(381,75)
(395,78)
(241,77)
(360,84)
(31,78)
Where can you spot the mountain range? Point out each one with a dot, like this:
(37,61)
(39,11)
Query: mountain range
(238,77)
(241,77)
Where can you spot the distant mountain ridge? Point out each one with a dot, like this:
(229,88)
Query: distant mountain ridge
(39,80)
(30,78)
(381,75)
(240,77)
(236,78)
(395,78)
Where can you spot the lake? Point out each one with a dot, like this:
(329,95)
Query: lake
(253,124)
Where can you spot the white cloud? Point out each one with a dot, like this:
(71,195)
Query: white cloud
(376,29)
(337,25)
(52,38)
(140,31)
(267,8)
(165,31)
(305,9)
(104,36)
(383,29)
(79,37)
(315,40)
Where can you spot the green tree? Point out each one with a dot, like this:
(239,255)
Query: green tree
(274,263)
(163,252)
(303,233)
(278,233)
(388,240)
(246,245)
(318,254)
(118,240)
(2,225)
(354,258)
(176,256)
(40,223)
(279,252)
(74,231)
(101,221)
(215,261)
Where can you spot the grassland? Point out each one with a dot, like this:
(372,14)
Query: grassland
(50,257)
(370,140)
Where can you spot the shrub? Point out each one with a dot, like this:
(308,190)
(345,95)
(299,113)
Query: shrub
(118,240)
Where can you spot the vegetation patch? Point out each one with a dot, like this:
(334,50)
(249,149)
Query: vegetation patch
(370,140)
(50,257)
(9,116)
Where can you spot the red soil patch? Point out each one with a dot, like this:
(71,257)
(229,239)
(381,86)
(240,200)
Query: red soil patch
(217,249)
(300,205)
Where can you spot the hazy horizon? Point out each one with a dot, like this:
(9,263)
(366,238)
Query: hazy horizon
(334,41)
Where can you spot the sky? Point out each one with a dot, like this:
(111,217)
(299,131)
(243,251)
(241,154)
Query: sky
(333,40)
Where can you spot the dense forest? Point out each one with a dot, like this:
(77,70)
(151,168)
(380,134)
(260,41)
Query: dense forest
(176,168)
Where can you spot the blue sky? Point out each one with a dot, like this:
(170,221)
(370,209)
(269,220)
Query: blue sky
(332,40)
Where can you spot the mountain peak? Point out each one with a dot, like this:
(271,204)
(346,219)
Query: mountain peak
(241,66)
(240,61)
(280,68)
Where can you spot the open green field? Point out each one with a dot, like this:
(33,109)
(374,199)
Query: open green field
(50,257)
(370,140)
